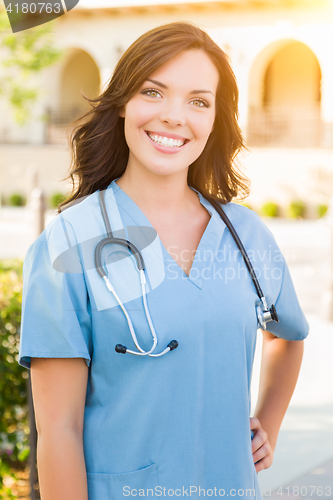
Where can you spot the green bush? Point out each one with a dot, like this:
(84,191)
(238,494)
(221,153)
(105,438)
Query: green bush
(17,200)
(297,209)
(14,422)
(322,209)
(270,209)
(56,199)
(5,492)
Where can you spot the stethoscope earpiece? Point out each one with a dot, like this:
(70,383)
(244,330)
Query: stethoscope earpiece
(120,348)
(173,344)
(170,347)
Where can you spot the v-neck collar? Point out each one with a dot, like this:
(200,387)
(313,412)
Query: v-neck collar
(208,245)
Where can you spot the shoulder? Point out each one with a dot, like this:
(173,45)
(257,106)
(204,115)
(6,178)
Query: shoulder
(241,213)
(80,210)
(68,225)
(256,237)
(247,221)
(64,231)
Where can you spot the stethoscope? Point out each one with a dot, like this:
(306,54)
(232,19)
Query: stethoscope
(264,314)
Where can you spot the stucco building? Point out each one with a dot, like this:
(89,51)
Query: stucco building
(280,53)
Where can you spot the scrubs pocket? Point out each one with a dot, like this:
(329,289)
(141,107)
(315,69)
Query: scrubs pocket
(118,486)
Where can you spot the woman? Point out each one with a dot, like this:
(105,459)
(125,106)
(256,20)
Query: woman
(159,147)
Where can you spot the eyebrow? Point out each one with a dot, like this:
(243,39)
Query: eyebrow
(192,92)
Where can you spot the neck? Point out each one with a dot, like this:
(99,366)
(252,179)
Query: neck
(158,193)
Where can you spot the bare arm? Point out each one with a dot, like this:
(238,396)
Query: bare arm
(280,366)
(59,391)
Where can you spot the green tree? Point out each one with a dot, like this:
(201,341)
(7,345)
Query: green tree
(22,56)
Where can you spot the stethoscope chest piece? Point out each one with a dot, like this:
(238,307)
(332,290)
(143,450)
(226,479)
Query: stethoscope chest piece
(264,315)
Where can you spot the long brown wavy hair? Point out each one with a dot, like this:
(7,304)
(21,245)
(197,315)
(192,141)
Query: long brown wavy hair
(99,149)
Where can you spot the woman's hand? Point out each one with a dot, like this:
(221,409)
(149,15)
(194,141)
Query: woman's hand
(261,448)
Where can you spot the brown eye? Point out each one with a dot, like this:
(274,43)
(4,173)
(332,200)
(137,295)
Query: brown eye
(202,103)
(150,92)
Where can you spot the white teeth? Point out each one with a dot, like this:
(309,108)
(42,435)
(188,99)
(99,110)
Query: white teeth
(165,141)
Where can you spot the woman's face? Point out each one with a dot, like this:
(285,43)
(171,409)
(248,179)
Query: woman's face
(169,120)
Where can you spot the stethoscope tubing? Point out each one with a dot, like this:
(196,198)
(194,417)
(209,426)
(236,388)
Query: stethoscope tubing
(264,314)
(240,245)
(141,352)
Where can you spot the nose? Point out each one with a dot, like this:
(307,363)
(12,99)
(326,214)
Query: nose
(173,113)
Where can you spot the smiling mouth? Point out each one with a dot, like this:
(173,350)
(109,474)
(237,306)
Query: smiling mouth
(166,141)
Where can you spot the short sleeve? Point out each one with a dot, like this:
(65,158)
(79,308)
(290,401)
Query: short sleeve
(272,271)
(56,319)
(292,323)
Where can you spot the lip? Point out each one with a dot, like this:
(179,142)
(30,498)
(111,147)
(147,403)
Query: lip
(170,136)
(165,149)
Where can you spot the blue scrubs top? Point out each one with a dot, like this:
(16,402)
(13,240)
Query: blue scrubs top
(179,424)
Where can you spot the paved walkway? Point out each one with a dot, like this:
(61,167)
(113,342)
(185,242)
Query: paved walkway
(304,454)
(305,442)
(303,459)
(318,483)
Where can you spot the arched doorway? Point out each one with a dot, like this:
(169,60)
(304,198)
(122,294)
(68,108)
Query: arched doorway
(79,75)
(285,97)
